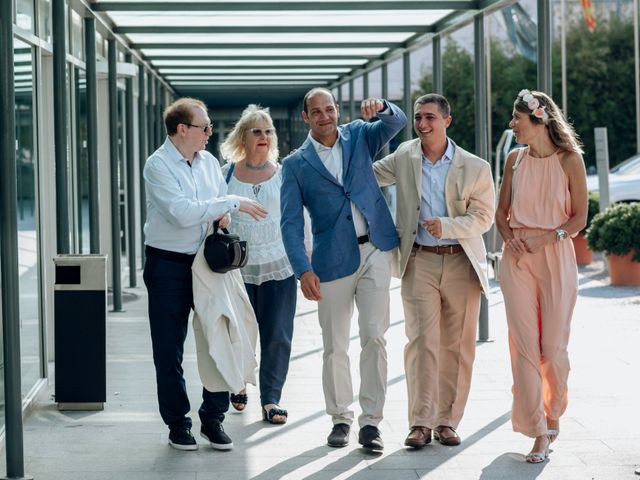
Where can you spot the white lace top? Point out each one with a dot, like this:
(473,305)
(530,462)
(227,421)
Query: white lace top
(267,259)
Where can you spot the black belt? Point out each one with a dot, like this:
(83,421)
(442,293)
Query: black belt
(439,249)
(363,239)
(185,258)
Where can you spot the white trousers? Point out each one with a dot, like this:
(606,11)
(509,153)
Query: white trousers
(369,287)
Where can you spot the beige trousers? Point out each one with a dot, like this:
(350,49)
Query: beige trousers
(441,299)
(369,287)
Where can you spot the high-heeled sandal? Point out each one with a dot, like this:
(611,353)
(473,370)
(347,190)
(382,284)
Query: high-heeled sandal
(268,415)
(553,434)
(239,400)
(538,457)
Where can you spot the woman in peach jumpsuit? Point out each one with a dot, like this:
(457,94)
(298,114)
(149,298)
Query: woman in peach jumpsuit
(543,201)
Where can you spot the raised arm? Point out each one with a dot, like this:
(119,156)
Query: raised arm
(381,132)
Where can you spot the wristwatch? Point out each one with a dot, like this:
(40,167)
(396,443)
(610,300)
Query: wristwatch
(561,234)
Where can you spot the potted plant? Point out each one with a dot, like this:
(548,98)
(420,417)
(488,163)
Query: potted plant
(584,255)
(616,232)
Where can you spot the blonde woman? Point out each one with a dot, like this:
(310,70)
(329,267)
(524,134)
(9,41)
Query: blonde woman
(543,202)
(251,150)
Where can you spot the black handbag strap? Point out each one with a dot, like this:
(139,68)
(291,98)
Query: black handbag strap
(216,226)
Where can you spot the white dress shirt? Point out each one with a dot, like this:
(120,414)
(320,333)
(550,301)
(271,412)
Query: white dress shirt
(182,200)
(331,158)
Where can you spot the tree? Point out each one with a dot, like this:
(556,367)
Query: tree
(600,79)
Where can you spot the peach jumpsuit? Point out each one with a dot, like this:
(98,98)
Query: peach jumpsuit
(540,291)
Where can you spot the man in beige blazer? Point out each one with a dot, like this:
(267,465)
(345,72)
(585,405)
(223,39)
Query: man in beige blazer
(445,202)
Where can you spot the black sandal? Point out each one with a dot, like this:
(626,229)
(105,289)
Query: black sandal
(239,401)
(267,416)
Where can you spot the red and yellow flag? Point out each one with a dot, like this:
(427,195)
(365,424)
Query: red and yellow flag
(589,14)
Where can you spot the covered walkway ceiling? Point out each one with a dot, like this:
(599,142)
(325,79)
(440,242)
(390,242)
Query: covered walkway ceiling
(271,52)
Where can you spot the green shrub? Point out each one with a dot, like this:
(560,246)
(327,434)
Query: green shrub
(616,231)
(592,210)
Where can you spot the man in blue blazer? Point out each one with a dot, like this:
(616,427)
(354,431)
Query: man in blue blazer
(331,175)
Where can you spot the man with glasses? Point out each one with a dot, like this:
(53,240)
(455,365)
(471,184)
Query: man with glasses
(185,191)
(353,233)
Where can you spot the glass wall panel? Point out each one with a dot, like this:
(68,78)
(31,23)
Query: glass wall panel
(67,30)
(344,107)
(77,36)
(101,50)
(44,18)
(396,86)
(459,85)
(25,14)
(26,157)
(421,61)
(121,166)
(513,64)
(82,161)
(375,83)
(357,91)
(395,74)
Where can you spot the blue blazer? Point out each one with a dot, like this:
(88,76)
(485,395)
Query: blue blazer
(307,183)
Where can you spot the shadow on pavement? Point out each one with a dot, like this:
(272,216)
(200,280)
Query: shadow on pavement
(507,463)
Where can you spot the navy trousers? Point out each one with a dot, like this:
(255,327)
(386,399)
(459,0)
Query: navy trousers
(167,276)
(274,304)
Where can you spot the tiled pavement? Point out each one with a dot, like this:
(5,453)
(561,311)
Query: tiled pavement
(600,432)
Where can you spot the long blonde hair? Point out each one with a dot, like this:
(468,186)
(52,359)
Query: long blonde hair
(561,132)
(232,149)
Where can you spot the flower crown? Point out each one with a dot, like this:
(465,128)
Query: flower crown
(533,103)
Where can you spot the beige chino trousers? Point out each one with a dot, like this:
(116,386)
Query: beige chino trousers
(441,299)
(369,288)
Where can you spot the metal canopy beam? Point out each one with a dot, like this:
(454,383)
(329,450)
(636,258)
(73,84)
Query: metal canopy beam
(282,6)
(221,69)
(332,56)
(263,46)
(249,29)
(453,19)
(256,73)
(248,87)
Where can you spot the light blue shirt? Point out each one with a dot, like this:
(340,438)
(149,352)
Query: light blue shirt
(183,199)
(433,202)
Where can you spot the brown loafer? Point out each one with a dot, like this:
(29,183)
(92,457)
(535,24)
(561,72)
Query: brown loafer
(418,437)
(446,436)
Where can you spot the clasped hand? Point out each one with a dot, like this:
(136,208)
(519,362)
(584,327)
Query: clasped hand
(533,244)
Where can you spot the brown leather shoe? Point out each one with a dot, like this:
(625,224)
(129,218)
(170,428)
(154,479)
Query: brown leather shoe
(418,437)
(446,436)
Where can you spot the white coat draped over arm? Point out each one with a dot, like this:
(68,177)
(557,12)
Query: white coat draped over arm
(225,328)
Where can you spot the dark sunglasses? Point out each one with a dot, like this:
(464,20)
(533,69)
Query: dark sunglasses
(205,128)
(267,132)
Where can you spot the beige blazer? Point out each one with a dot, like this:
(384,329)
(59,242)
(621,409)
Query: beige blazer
(469,196)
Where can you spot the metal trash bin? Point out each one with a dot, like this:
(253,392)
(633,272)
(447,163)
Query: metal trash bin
(80,309)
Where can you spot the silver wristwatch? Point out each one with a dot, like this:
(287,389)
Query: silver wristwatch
(561,234)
